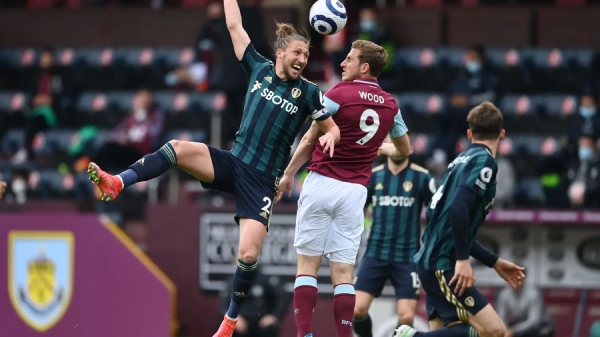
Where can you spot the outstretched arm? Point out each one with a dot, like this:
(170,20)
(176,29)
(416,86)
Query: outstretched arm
(239,37)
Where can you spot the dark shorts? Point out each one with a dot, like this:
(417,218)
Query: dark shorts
(441,300)
(254,190)
(374,273)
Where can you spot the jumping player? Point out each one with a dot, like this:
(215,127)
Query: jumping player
(457,210)
(397,191)
(330,217)
(277,103)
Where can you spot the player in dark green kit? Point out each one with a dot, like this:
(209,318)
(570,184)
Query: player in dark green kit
(397,191)
(456,212)
(277,103)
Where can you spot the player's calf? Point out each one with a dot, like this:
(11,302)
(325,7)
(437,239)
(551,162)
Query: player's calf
(363,326)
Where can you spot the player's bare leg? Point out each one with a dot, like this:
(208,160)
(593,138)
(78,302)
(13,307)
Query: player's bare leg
(486,323)
(252,235)
(193,158)
(306,293)
(406,311)
(344,297)
(363,326)
(436,324)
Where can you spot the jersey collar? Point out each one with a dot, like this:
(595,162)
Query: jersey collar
(370,81)
(482,146)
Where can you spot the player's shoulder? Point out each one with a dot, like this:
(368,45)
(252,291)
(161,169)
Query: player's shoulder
(418,168)
(309,84)
(378,168)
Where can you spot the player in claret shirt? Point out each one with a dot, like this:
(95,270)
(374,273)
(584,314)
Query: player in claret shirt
(330,218)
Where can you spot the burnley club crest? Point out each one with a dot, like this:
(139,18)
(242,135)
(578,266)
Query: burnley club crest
(40,276)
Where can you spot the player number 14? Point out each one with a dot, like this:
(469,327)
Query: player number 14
(370,129)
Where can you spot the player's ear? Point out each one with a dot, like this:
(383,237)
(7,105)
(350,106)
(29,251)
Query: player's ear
(502,134)
(365,68)
(279,53)
(470,135)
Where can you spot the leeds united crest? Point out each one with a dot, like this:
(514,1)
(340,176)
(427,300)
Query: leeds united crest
(40,281)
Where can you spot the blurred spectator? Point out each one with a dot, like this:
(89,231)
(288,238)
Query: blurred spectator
(369,29)
(135,136)
(264,309)
(506,176)
(588,118)
(551,170)
(216,61)
(475,84)
(48,90)
(2,189)
(197,74)
(584,190)
(523,312)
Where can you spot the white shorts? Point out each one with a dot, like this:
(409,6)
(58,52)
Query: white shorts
(330,219)
(198,72)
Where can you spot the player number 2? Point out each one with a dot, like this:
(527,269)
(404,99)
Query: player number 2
(436,197)
(415,280)
(267,207)
(370,129)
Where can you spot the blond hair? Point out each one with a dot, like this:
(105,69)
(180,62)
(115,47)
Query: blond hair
(287,33)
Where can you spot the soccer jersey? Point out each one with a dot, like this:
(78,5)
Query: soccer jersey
(365,115)
(397,203)
(274,112)
(474,169)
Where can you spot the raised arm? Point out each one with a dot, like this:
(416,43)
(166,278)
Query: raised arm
(239,37)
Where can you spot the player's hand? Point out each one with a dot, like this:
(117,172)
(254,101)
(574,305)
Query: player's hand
(267,320)
(328,143)
(241,326)
(464,277)
(286,184)
(510,272)
(2,189)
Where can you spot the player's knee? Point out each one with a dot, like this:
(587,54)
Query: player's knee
(177,145)
(492,330)
(406,318)
(248,256)
(360,310)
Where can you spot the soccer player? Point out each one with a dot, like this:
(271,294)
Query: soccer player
(277,103)
(457,210)
(330,218)
(397,191)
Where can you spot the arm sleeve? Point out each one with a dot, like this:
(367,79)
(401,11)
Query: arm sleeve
(252,60)
(399,128)
(429,189)
(459,221)
(316,106)
(483,255)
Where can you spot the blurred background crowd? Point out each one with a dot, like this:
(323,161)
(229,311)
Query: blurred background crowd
(62,106)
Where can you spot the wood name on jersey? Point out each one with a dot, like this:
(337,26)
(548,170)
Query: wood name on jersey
(371,97)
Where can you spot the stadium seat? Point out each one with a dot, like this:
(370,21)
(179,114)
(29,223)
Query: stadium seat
(17,66)
(139,66)
(508,66)
(173,58)
(549,71)
(580,63)
(13,101)
(419,69)
(99,69)
(451,61)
